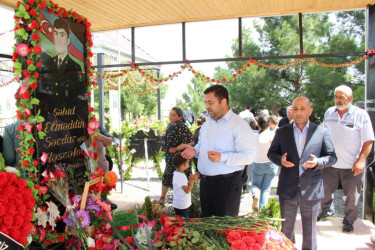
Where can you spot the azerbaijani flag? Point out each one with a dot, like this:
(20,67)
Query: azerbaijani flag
(47,39)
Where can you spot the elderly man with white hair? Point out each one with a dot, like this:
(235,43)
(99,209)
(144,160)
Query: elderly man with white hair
(352,136)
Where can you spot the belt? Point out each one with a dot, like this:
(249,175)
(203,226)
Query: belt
(220,176)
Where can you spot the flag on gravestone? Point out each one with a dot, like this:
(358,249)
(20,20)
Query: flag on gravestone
(62,92)
(8,243)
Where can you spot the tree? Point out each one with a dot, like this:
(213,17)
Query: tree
(194,97)
(269,88)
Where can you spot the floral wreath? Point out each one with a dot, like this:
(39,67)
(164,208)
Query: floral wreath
(26,59)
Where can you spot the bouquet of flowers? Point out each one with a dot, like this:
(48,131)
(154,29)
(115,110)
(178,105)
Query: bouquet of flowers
(57,183)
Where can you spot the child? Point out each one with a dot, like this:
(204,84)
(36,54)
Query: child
(181,186)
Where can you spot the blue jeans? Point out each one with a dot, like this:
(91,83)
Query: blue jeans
(262,175)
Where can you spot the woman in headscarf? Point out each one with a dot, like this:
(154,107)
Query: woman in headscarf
(174,140)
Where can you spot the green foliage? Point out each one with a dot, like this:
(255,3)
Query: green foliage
(194,97)
(195,208)
(133,104)
(271,210)
(147,207)
(269,88)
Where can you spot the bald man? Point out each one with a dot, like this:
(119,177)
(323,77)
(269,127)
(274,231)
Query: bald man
(302,149)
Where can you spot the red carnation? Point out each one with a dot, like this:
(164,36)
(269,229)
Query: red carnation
(37,50)
(26,164)
(35,36)
(32,13)
(42,5)
(8,220)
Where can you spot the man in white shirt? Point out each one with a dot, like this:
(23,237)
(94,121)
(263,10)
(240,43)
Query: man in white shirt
(225,145)
(352,135)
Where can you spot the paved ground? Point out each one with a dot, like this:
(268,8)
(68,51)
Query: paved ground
(329,236)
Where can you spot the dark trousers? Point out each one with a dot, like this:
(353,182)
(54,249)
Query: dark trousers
(221,195)
(309,212)
(182,212)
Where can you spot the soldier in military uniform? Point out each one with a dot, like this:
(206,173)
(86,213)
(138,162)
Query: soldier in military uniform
(61,77)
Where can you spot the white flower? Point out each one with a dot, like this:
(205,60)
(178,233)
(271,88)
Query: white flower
(41,217)
(90,242)
(54,213)
(133,151)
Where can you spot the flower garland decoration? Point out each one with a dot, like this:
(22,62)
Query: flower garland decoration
(129,129)
(16,207)
(26,61)
(243,68)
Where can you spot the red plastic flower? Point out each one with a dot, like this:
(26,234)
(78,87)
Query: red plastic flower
(37,49)
(35,36)
(32,13)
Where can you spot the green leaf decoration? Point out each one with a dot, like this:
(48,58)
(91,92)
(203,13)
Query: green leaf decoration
(17,65)
(34,101)
(41,135)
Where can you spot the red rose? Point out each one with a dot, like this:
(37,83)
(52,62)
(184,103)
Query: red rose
(34,24)
(61,238)
(15,56)
(59,13)
(47,242)
(130,240)
(74,14)
(42,5)
(36,74)
(26,73)
(27,6)
(35,36)
(50,11)
(31,150)
(66,14)
(34,85)
(35,162)
(32,13)
(38,64)
(26,164)
(31,2)
(37,50)
(29,61)
(79,19)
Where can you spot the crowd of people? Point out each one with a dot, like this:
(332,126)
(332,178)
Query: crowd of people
(228,150)
(311,160)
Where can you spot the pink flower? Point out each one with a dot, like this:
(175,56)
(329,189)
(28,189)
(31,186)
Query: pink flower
(42,189)
(22,49)
(27,111)
(39,126)
(28,127)
(44,157)
(92,126)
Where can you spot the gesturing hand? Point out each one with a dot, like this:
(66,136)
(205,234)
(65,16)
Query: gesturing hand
(313,163)
(286,163)
(189,152)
